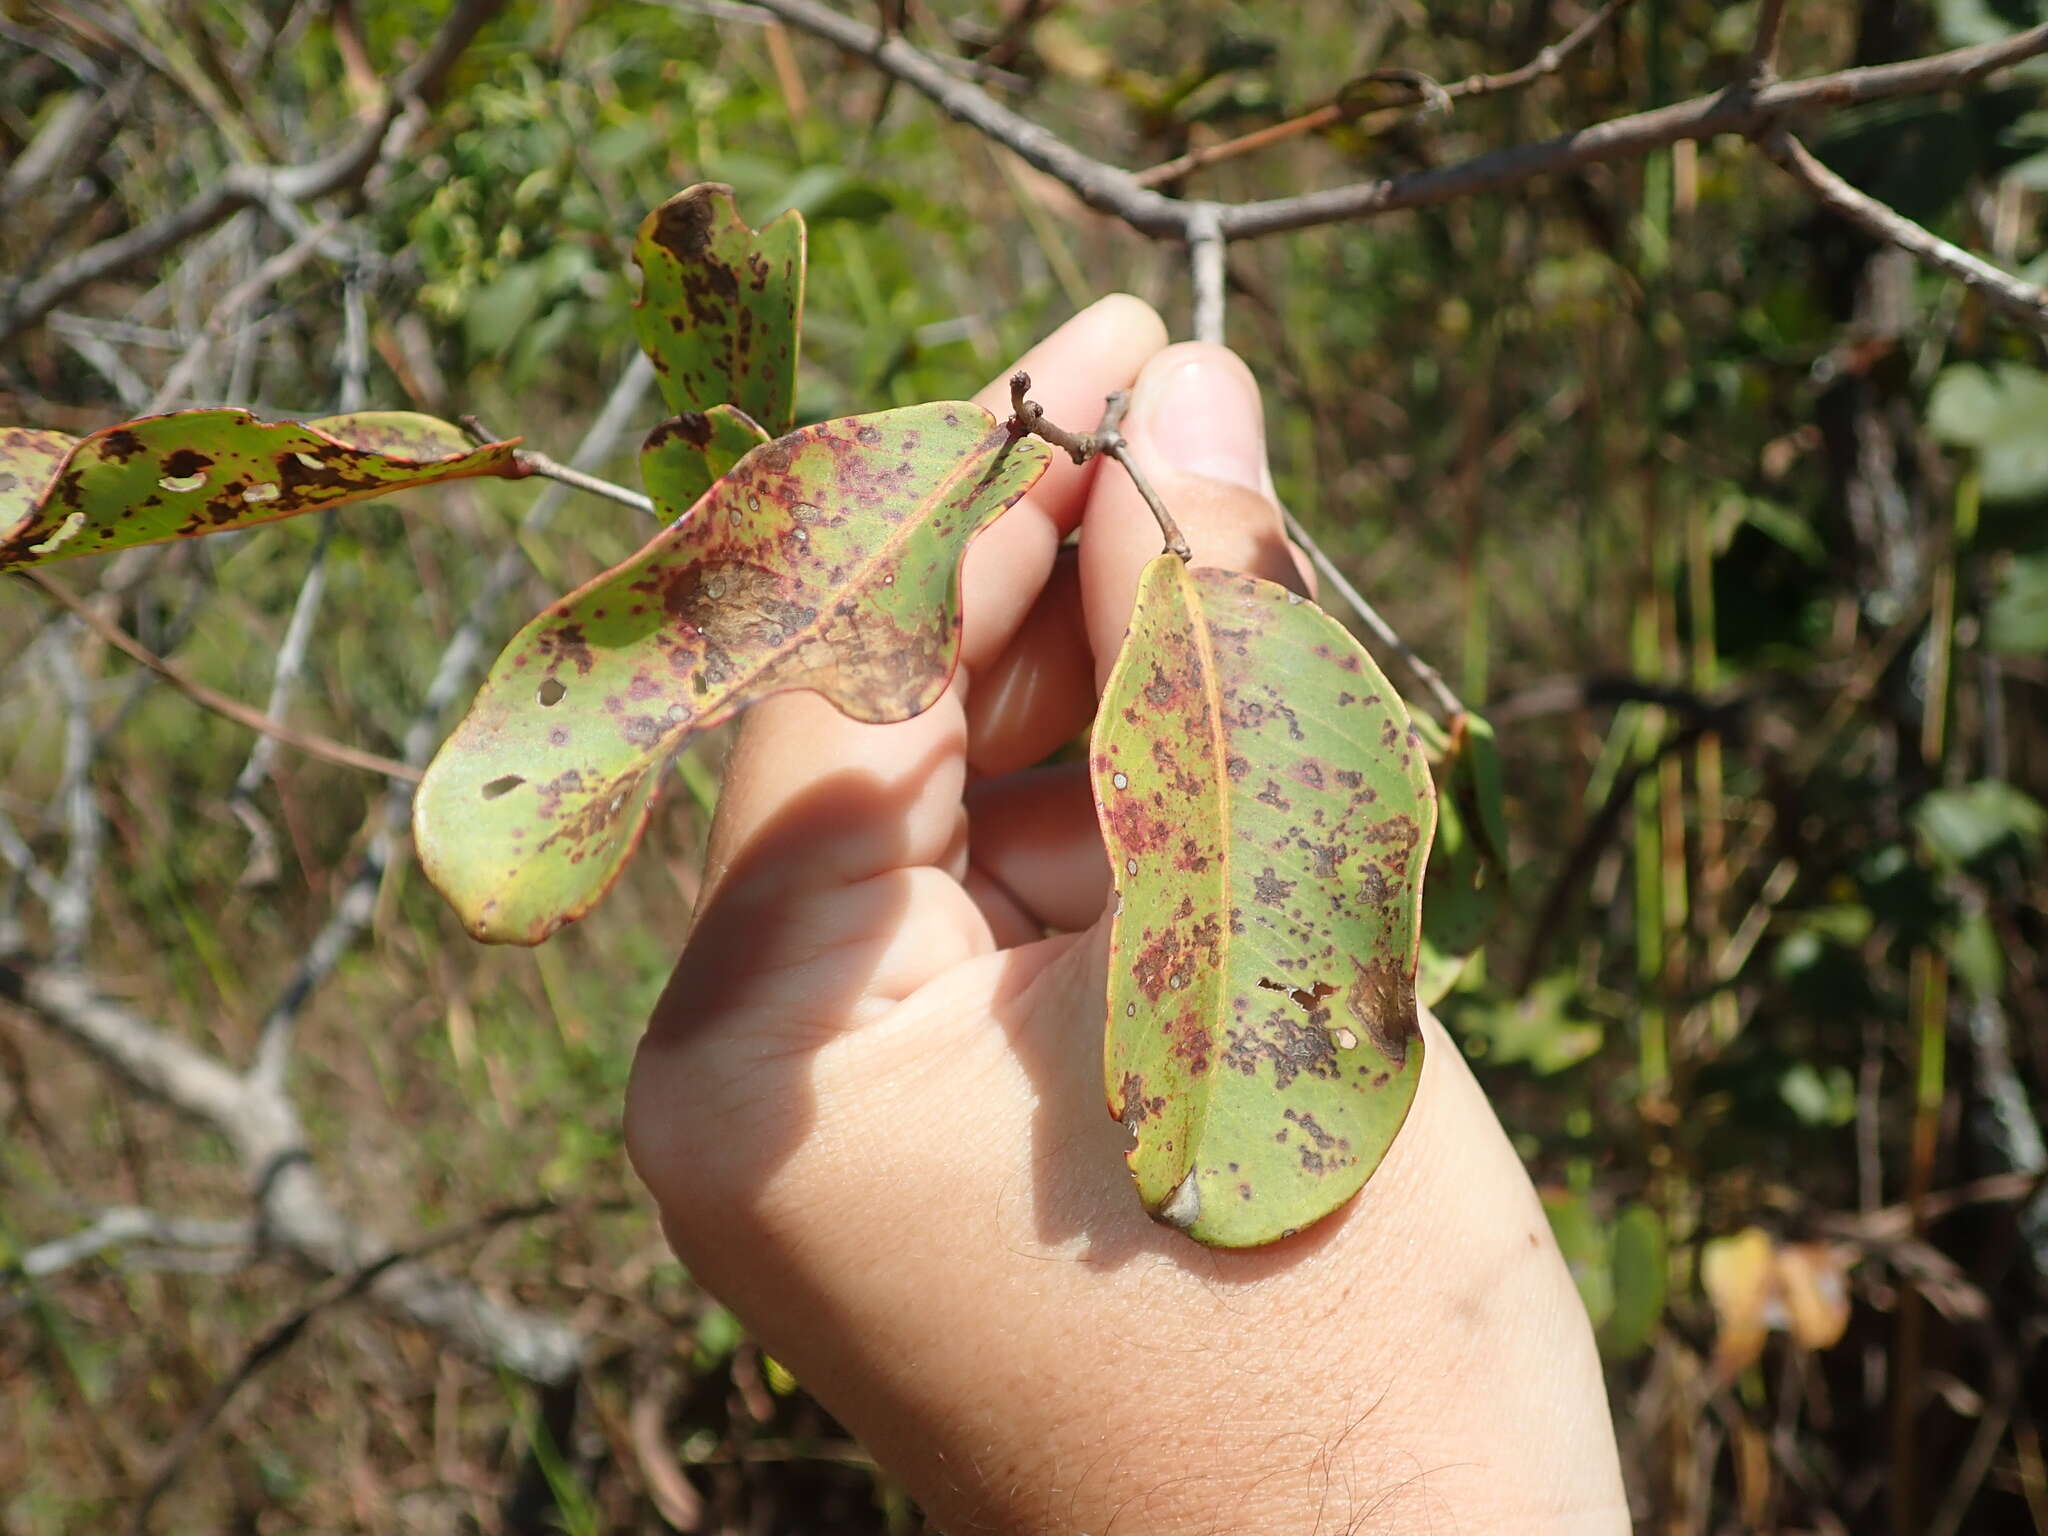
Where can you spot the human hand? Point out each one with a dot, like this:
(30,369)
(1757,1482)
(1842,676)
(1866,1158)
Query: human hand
(870,1108)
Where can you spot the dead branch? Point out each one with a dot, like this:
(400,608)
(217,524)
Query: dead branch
(2012,296)
(1028,418)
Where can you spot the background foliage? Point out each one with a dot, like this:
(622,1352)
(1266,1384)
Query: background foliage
(1732,521)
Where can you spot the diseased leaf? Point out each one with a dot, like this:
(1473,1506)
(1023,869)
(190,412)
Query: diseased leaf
(188,473)
(1268,812)
(828,560)
(686,453)
(721,305)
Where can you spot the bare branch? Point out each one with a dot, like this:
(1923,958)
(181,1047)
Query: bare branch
(2012,296)
(71,908)
(535,462)
(1761,67)
(1027,417)
(127,1224)
(247,186)
(1206,270)
(1116,191)
(232,709)
(294,1208)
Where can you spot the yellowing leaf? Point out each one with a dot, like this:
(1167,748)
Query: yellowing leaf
(1267,811)
(188,473)
(828,559)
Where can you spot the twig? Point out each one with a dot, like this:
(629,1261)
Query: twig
(247,186)
(126,1224)
(1347,106)
(553,469)
(1118,192)
(294,1208)
(1027,417)
(1761,67)
(224,314)
(232,709)
(1206,271)
(1449,705)
(71,909)
(2020,300)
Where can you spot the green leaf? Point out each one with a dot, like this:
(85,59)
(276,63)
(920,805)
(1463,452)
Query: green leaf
(1639,1269)
(189,473)
(2002,412)
(1468,877)
(828,560)
(687,453)
(1965,825)
(720,306)
(1267,810)
(2016,623)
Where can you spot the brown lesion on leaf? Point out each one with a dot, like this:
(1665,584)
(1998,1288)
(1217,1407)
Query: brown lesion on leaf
(1381,1000)
(1270,890)
(1292,1048)
(1137,1107)
(1304,998)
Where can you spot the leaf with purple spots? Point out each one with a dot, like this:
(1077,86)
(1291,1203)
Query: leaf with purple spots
(828,559)
(188,473)
(721,305)
(1267,811)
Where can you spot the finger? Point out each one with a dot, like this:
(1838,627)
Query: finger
(1197,432)
(1072,371)
(772,827)
(1040,692)
(1034,836)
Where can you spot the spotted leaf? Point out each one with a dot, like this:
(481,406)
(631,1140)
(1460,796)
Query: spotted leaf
(188,473)
(720,305)
(686,453)
(1267,810)
(828,559)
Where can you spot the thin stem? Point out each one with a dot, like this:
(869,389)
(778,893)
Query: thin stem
(1028,418)
(1206,270)
(232,709)
(2019,299)
(536,463)
(1448,705)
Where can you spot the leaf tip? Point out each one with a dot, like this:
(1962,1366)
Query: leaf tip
(1183,1208)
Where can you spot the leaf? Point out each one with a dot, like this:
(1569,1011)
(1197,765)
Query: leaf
(687,453)
(1468,878)
(1267,811)
(721,305)
(1638,1265)
(188,473)
(828,560)
(2002,412)
(2016,622)
(1963,826)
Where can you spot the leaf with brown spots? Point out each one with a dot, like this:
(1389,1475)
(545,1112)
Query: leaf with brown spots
(1267,811)
(686,454)
(721,305)
(828,559)
(188,473)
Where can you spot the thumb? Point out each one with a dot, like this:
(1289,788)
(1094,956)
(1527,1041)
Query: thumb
(1197,432)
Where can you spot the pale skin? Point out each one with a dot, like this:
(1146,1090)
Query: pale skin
(870,1104)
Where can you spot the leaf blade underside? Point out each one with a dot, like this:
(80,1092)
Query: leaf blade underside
(828,560)
(184,474)
(721,305)
(1267,810)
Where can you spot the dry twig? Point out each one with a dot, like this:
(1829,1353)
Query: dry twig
(1107,440)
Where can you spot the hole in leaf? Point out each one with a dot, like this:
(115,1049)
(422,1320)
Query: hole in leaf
(503,786)
(551,692)
(183,482)
(1304,998)
(260,492)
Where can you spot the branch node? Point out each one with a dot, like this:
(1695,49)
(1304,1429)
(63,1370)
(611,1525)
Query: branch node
(1028,419)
